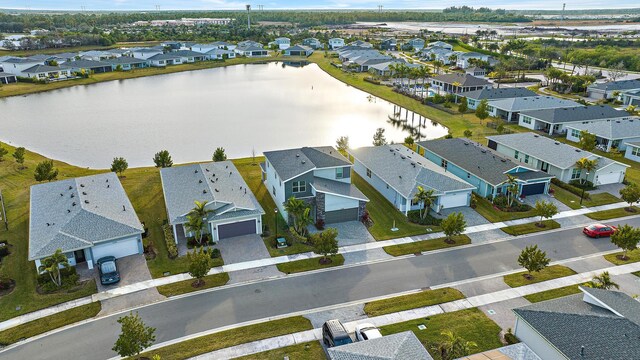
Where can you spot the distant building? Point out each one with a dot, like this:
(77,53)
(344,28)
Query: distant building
(335,43)
(313,43)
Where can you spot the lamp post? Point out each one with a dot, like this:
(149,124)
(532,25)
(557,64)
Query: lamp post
(276,211)
(582,195)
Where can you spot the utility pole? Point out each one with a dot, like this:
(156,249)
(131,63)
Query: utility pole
(157,7)
(380,8)
(564,5)
(261,7)
(248,17)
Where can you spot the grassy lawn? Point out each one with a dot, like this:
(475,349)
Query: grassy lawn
(552,294)
(309,264)
(637,273)
(634,256)
(183,287)
(384,214)
(305,351)
(470,324)
(48,323)
(530,227)
(551,272)
(485,208)
(412,301)
(573,201)
(225,339)
(425,245)
(613,213)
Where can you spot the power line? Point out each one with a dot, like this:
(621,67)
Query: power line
(248,17)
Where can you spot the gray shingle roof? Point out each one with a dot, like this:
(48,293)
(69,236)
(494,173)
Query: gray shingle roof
(124,60)
(400,346)
(463,79)
(102,211)
(168,56)
(44,68)
(217,183)
(532,103)
(478,160)
(86,64)
(337,187)
(548,150)
(394,164)
(20,60)
(614,129)
(575,113)
(187,53)
(293,162)
(298,48)
(570,322)
(617,85)
(495,94)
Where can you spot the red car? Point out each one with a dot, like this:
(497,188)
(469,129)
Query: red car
(598,230)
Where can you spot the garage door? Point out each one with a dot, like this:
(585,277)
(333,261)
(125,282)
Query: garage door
(337,216)
(610,178)
(118,249)
(237,229)
(533,189)
(454,200)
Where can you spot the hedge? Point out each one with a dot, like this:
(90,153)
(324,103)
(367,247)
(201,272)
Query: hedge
(570,188)
(172,249)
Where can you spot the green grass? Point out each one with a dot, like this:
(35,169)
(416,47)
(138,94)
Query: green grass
(485,208)
(637,273)
(530,227)
(613,213)
(306,351)
(551,272)
(48,323)
(470,324)
(573,201)
(183,287)
(309,264)
(425,245)
(633,255)
(412,301)
(225,339)
(553,293)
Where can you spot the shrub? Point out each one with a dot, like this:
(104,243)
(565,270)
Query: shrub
(69,277)
(510,338)
(588,185)
(4,249)
(320,224)
(372,80)
(438,99)
(214,253)
(414,217)
(172,249)
(5,283)
(570,188)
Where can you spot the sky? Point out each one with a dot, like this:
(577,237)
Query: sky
(306,4)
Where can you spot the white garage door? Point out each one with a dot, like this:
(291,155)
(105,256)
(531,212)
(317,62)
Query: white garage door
(454,200)
(610,178)
(118,249)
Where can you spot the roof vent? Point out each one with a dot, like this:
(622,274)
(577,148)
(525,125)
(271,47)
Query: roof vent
(48,224)
(535,135)
(200,181)
(86,201)
(70,187)
(107,186)
(466,143)
(557,143)
(391,150)
(207,170)
(84,193)
(196,171)
(226,166)
(124,208)
(504,160)
(297,155)
(304,162)
(217,190)
(483,151)
(107,180)
(81,185)
(577,150)
(73,195)
(402,157)
(204,191)
(73,204)
(400,176)
(61,194)
(68,211)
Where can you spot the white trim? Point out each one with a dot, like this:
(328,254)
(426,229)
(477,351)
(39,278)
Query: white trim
(339,195)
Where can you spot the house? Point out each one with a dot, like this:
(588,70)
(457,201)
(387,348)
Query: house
(320,176)
(455,83)
(89,66)
(223,45)
(116,53)
(280,43)
(593,324)
(46,72)
(360,43)
(313,43)
(6,78)
(609,133)
(632,151)
(161,60)
(440,44)
(189,56)
(127,63)
(400,346)
(396,172)
(145,53)
(220,54)
(464,59)
(235,211)
(298,50)
(95,55)
(483,168)
(552,118)
(606,90)
(204,48)
(509,109)
(251,49)
(416,44)
(475,71)
(556,158)
(17,65)
(444,55)
(335,43)
(490,94)
(630,97)
(384,68)
(87,218)
(389,44)
(62,58)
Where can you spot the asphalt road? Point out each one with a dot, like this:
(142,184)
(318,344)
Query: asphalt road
(193,314)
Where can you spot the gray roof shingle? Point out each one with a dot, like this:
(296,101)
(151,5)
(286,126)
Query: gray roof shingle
(44,68)
(290,163)
(495,94)
(86,64)
(338,188)
(615,129)
(463,79)
(77,213)
(400,346)
(575,113)
(532,103)
(617,85)
(124,60)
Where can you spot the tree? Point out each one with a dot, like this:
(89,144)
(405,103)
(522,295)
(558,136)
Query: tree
(119,165)
(299,212)
(630,194)
(482,111)
(325,244)
(134,337)
(19,156)
(512,189)
(468,133)
(426,198)
(52,264)
(196,219)
(163,159)
(587,140)
(626,238)
(602,281)
(219,154)
(586,165)
(199,264)
(378,138)
(45,171)
(453,346)
(342,144)
(545,209)
(409,141)
(463,107)
(3,152)
(453,225)
(617,72)
(533,259)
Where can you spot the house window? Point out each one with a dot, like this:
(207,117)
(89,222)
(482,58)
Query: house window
(490,108)
(444,163)
(635,151)
(299,186)
(471,102)
(575,133)
(526,158)
(273,190)
(368,173)
(415,202)
(526,119)
(339,173)
(575,174)
(517,153)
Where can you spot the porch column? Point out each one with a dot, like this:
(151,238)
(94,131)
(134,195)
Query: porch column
(175,234)
(550,129)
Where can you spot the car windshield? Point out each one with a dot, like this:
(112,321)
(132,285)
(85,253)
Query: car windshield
(108,267)
(592,227)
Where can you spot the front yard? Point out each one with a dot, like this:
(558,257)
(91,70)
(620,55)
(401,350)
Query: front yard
(485,208)
(548,273)
(613,213)
(573,201)
(633,255)
(531,227)
(297,266)
(412,301)
(425,245)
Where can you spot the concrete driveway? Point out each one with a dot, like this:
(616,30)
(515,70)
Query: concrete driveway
(242,248)
(531,201)
(349,232)
(470,216)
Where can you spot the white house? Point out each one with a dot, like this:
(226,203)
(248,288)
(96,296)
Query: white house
(510,109)
(145,53)
(440,44)
(609,133)
(464,58)
(46,72)
(220,54)
(16,65)
(335,43)
(552,116)
(162,60)
(281,43)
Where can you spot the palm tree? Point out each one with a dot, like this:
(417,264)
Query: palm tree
(512,188)
(52,265)
(586,165)
(295,208)
(197,217)
(602,281)
(453,346)
(426,198)
(456,86)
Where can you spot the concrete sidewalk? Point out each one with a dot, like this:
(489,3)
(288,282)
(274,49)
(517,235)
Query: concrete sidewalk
(364,247)
(419,313)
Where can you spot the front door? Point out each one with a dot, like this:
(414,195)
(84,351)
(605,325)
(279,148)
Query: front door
(544,166)
(79,255)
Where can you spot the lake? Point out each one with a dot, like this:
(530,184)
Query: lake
(241,108)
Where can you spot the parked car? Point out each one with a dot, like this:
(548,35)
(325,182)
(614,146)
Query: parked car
(108,268)
(599,230)
(367,331)
(334,334)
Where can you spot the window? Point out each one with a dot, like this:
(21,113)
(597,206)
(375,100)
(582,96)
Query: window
(444,163)
(299,186)
(575,133)
(414,202)
(516,154)
(471,102)
(490,108)
(368,173)
(339,173)
(273,190)
(526,119)
(635,151)
(575,174)
(526,158)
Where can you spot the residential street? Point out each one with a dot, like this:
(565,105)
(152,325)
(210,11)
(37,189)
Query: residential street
(193,314)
